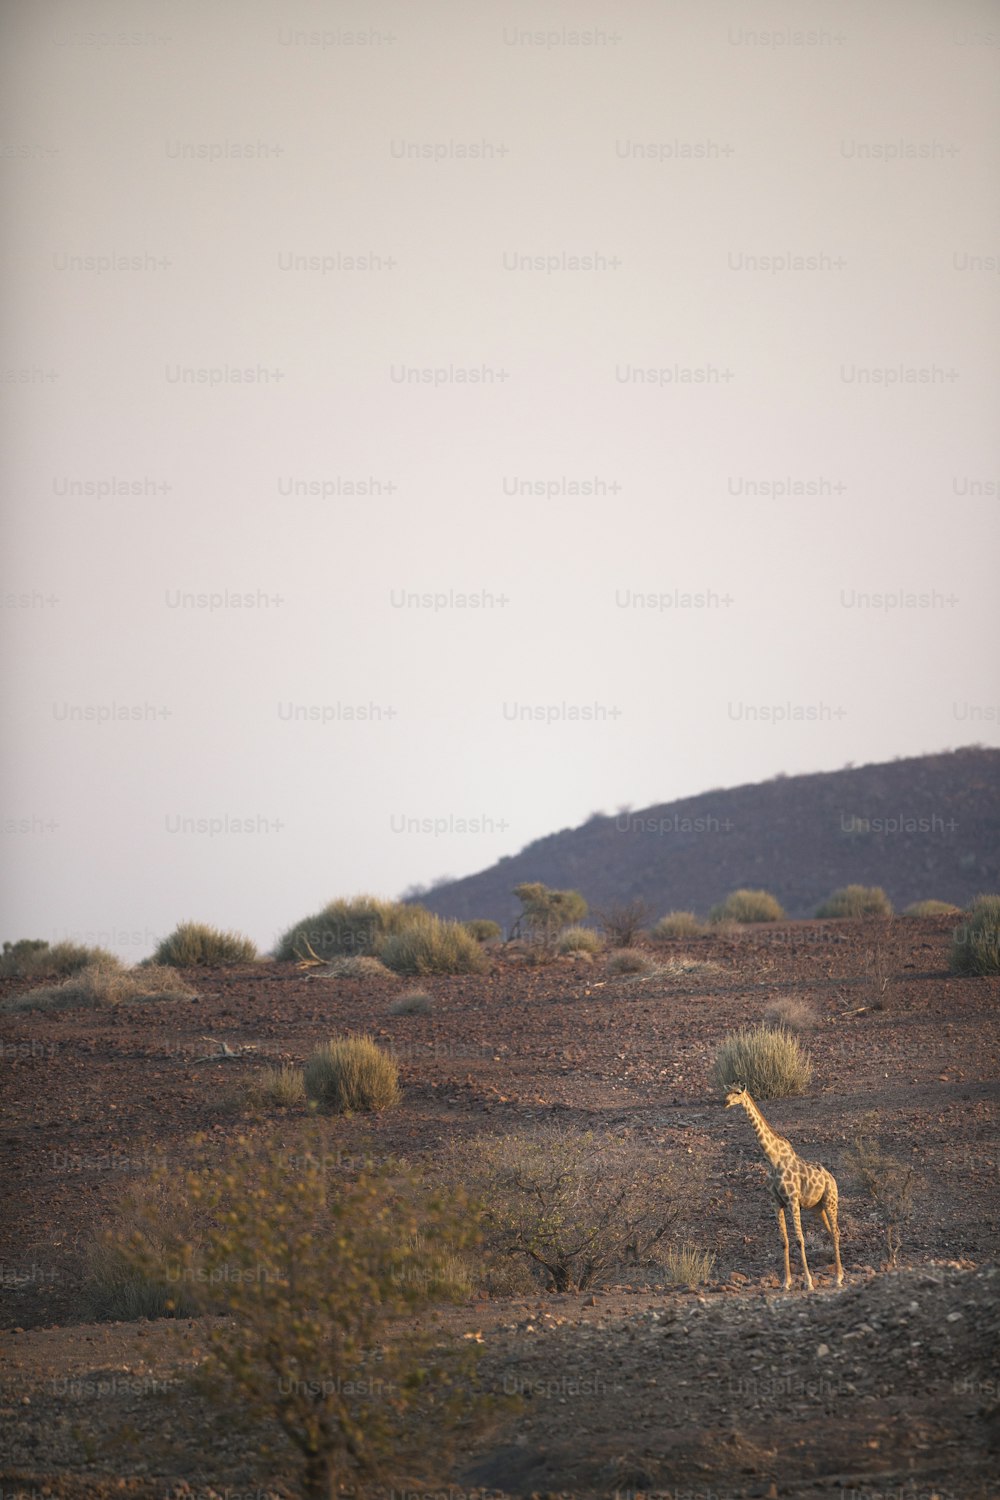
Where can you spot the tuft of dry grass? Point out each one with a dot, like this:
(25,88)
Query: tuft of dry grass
(283,1086)
(353,966)
(676,924)
(686,1265)
(856,901)
(975,946)
(630,961)
(33,958)
(767,1061)
(352,1073)
(430,945)
(196,943)
(102,984)
(748,906)
(412,1003)
(794,1012)
(931,909)
(579,940)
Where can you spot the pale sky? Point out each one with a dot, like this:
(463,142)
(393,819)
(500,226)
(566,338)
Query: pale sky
(667,332)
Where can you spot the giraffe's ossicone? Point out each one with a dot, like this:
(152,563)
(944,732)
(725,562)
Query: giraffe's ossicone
(795,1184)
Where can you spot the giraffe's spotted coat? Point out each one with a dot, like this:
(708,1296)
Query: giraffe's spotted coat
(795,1184)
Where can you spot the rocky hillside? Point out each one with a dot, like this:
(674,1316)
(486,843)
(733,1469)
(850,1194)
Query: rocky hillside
(920,828)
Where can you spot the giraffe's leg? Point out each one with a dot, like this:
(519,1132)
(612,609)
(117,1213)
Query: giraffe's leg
(784,1240)
(797,1221)
(830,1215)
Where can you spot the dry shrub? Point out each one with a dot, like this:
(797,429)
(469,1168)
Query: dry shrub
(102,984)
(431,945)
(483,929)
(765,1060)
(931,909)
(975,946)
(686,1265)
(346,927)
(33,958)
(195,943)
(888,1182)
(630,961)
(856,901)
(283,1085)
(622,923)
(676,924)
(794,1012)
(352,1073)
(579,940)
(573,1204)
(358,966)
(412,1003)
(748,906)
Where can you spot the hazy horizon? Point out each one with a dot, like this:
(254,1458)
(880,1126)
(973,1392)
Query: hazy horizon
(485,416)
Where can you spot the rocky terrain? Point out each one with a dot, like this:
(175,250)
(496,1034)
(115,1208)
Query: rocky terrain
(888,1386)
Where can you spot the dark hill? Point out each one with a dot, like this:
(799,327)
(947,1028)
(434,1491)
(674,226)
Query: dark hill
(920,828)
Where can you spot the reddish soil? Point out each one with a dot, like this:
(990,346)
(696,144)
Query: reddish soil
(888,1386)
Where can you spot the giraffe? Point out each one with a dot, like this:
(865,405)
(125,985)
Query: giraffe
(795,1184)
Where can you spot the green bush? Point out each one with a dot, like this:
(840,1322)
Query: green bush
(346,928)
(676,924)
(195,943)
(766,1060)
(33,958)
(482,929)
(101,984)
(931,909)
(579,940)
(352,1073)
(856,901)
(747,906)
(545,913)
(431,945)
(975,947)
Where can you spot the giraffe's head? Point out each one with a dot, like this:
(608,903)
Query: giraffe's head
(736,1095)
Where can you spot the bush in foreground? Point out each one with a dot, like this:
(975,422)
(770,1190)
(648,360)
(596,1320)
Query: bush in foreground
(572,1204)
(676,924)
(431,945)
(195,943)
(33,958)
(856,901)
(766,1060)
(352,1073)
(106,984)
(314,1268)
(975,947)
(747,906)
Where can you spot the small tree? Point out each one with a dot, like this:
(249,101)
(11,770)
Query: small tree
(546,912)
(572,1203)
(312,1265)
(889,1183)
(622,922)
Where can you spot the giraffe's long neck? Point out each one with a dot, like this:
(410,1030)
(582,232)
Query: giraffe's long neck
(770,1144)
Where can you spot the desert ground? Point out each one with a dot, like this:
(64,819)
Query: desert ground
(888,1386)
